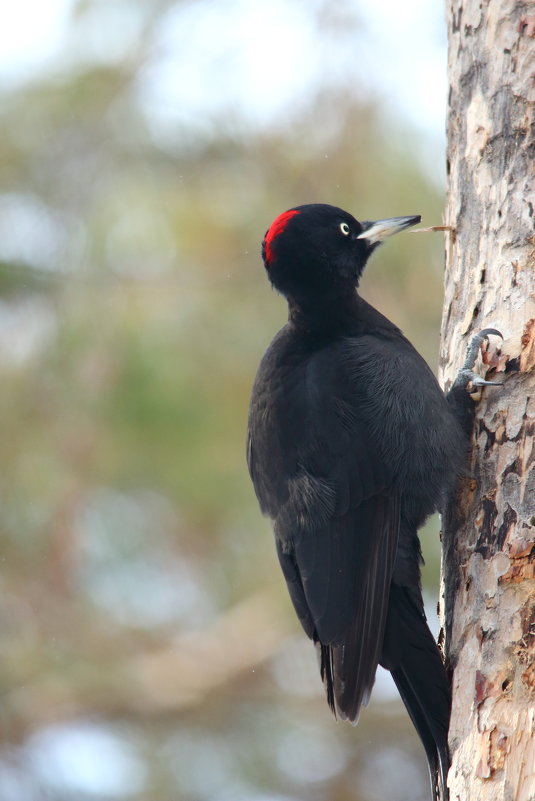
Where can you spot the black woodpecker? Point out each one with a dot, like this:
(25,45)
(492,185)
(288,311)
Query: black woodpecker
(351,446)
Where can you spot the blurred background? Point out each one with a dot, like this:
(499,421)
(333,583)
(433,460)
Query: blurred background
(148,649)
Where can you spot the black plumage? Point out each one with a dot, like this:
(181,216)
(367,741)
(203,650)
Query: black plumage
(351,446)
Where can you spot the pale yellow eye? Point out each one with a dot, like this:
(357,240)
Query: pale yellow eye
(344,227)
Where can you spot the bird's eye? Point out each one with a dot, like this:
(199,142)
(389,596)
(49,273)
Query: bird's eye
(344,227)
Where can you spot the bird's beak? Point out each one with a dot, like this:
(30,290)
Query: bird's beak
(375,231)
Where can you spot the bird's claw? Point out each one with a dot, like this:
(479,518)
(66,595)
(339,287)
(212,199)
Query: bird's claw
(480,344)
(469,377)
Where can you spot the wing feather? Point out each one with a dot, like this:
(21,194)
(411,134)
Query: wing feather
(320,475)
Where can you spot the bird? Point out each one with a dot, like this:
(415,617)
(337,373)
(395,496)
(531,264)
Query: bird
(351,445)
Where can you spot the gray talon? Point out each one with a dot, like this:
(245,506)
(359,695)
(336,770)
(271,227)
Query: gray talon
(477,380)
(486,332)
(475,345)
(466,374)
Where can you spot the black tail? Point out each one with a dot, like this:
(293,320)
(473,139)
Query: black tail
(412,656)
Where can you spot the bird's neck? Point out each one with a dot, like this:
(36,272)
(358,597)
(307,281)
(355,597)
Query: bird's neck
(324,314)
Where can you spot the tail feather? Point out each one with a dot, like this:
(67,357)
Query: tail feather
(348,663)
(411,654)
(436,748)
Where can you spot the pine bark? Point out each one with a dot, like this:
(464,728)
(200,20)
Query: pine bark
(489,528)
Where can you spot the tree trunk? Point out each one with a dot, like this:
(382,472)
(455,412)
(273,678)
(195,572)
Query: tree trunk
(489,529)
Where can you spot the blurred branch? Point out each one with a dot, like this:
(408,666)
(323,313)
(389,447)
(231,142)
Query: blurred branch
(200,662)
(169,680)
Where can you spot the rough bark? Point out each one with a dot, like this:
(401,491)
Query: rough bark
(489,529)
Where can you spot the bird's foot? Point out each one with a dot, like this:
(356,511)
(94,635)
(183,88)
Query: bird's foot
(491,356)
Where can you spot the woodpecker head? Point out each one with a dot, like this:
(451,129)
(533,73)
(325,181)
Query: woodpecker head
(318,248)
